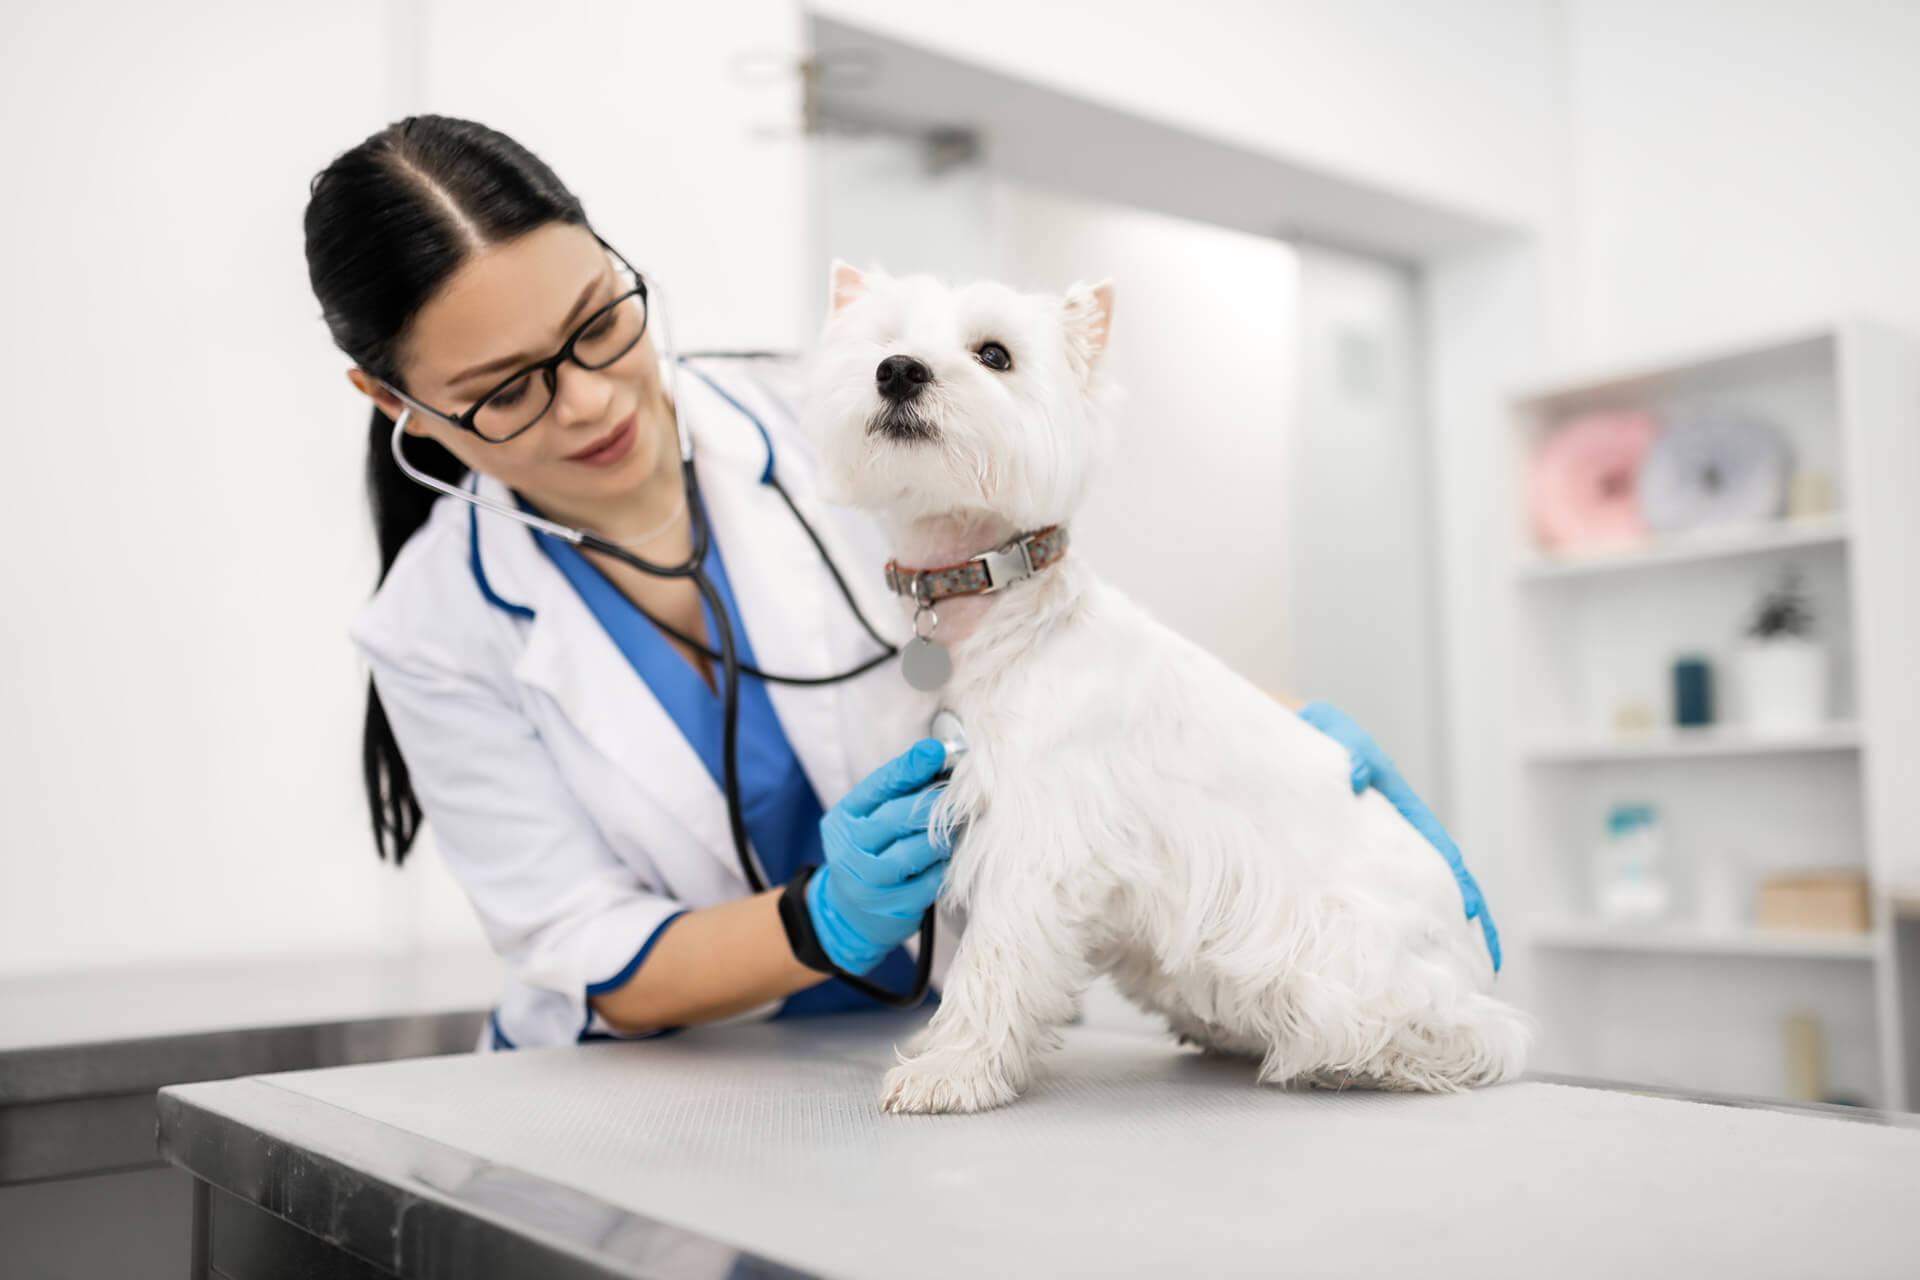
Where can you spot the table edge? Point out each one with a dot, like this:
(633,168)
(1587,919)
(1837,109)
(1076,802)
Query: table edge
(381,1207)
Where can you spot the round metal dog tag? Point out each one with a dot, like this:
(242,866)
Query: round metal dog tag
(925,664)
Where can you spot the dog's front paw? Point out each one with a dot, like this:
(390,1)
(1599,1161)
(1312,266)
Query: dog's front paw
(943,1083)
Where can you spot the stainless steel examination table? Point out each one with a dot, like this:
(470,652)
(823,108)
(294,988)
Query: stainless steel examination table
(760,1150)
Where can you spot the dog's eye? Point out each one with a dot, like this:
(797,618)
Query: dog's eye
(994,356)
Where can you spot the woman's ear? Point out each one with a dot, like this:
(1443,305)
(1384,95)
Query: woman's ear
(383,399)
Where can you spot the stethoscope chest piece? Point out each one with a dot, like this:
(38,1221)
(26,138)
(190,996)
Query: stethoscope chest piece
(946,728)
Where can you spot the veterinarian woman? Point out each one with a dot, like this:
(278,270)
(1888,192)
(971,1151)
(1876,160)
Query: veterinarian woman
(566,750)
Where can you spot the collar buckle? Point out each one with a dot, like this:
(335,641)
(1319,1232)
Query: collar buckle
(1007,564)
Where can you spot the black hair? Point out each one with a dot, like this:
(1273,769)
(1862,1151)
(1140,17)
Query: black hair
(386,224)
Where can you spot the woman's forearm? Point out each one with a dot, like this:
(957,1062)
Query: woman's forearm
(710,963)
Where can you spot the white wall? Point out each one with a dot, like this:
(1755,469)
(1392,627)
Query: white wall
(181,541)
(185,541)
(1737,168)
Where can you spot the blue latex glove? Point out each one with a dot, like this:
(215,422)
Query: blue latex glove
(1372,768)
(882,867)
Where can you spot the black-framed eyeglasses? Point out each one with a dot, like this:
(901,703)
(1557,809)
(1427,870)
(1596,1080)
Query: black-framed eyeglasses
(523,397)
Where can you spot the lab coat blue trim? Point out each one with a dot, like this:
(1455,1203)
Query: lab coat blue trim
(500,1040)
(588,1037)
(620,979)
(480,574)
(766,472)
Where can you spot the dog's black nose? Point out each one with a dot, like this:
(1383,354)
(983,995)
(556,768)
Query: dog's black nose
(901,377)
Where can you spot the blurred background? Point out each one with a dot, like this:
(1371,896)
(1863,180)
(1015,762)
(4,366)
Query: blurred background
(1548,367)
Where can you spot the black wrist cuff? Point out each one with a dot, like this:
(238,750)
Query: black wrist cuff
(798,922)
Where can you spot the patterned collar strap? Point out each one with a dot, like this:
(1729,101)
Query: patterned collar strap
(1021,557)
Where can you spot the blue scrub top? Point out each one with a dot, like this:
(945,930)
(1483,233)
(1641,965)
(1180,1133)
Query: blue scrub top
(782,813)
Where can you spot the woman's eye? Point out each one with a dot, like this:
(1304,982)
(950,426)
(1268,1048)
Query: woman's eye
(598,329)
(994,356)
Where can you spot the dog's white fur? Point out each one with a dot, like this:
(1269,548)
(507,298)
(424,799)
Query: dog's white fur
(1130,805)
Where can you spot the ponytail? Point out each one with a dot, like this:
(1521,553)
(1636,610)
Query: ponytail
(386,225)
(400,505)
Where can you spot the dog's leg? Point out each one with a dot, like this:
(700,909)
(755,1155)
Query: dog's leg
(1015,980)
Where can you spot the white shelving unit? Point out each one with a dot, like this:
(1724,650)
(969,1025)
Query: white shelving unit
(1685,1003)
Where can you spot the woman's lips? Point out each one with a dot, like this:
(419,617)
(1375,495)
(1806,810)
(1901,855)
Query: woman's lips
(611,447)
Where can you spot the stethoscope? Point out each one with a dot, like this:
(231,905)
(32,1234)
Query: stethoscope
(946,726)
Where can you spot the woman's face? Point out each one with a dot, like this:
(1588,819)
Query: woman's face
(607,432)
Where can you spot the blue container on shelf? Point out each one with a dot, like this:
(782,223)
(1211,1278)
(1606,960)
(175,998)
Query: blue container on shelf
(1692,692)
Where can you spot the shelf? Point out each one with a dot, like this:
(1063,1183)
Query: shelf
(1726,365)
(1694,744)
(1684,940)
(1723,542)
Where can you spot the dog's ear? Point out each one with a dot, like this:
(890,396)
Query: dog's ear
(846,282)
(1089,319)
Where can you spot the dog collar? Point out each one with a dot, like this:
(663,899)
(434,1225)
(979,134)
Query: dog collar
(1016,559)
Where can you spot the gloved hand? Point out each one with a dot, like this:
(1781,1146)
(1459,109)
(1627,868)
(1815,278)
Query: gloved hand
(1372,768)
(882,868)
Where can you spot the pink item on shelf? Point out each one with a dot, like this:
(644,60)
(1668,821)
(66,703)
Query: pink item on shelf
(1586,476)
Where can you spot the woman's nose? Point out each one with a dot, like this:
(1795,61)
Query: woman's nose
(580,395)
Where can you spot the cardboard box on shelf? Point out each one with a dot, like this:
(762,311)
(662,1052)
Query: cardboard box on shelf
(1818,901)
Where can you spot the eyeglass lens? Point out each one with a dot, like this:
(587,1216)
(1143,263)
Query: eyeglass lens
(607,335)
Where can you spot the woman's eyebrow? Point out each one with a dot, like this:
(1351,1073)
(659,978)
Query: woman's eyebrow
(520,358)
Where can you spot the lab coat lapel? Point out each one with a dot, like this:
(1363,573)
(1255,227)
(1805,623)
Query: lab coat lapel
(779,585)
(571,658)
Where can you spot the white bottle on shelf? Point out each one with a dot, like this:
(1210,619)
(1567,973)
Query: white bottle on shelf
(1630,885)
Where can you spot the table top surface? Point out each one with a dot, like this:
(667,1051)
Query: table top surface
(761,1149)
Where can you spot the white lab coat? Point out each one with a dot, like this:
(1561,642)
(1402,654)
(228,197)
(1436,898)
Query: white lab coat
(564,800)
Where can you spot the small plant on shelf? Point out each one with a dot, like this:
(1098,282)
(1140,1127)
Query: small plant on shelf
(1783,612)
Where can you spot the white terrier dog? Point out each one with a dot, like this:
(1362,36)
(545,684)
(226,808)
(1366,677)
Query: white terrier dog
(1130,805)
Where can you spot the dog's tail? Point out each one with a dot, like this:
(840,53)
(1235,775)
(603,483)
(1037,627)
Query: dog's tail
(1487,1042)
(1477,1041)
